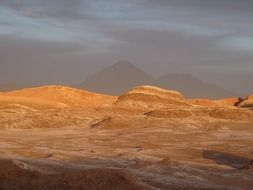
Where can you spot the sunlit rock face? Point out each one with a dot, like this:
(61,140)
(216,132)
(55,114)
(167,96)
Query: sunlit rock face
(151,97)
(56,96)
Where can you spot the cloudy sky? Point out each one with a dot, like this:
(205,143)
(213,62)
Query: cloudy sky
(63,41)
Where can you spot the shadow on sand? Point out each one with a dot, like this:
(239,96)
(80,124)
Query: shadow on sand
(222,158)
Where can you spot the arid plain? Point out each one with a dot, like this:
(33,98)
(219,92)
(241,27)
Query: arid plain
(147,138)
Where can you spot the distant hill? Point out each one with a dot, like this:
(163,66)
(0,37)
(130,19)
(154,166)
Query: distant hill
(192,87)
(122,76)
(117,79)
(54,96)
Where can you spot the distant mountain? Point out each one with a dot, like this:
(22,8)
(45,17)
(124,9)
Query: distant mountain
(192,87)
(122,76)
(117,79)
(241,83)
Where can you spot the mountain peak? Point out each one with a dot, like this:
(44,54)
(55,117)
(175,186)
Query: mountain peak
(117,78)
(123,63)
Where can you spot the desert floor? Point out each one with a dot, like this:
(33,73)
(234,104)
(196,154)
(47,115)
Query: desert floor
(156,137)
(181,155)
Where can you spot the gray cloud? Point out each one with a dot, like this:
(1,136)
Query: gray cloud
(226,16)
(46,9)
(214,5)
(160,36)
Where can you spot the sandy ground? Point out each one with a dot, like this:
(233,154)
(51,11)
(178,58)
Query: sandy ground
(182,154)
(163,139)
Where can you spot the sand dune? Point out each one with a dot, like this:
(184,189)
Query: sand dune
(59,96)
(50,107)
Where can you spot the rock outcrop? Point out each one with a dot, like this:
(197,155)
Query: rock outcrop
(151,97)
(247,102)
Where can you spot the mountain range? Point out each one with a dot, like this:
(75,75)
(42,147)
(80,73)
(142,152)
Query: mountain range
(121,76)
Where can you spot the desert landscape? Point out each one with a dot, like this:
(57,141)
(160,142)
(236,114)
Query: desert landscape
(58,137)
(126,95)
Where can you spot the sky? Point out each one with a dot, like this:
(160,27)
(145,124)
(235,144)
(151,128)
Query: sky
(63,41)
